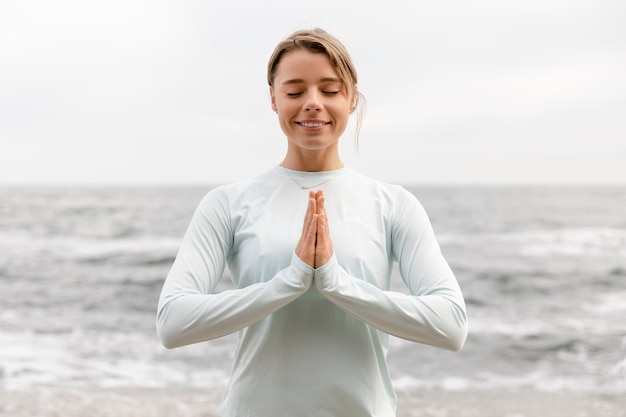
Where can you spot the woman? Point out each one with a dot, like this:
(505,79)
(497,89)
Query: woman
(311,298)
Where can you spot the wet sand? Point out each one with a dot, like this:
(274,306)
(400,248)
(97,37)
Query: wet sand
(148,402)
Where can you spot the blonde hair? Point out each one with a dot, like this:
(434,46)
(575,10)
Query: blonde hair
(319,41)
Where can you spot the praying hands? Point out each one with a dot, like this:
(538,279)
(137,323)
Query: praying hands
(315,247)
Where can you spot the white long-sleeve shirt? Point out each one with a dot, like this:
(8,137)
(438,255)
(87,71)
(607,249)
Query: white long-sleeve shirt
(312,342)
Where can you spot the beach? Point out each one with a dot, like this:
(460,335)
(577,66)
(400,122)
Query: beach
(195,402)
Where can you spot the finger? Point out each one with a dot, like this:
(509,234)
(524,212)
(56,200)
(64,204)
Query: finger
(321,210)
(323,246)
(320,200)
(310,210)
(310,239)
(305,248)
(323,232)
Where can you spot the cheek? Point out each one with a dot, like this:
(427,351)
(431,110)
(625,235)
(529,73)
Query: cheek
(284,119)
(342,113)
(283,112)
(283,107)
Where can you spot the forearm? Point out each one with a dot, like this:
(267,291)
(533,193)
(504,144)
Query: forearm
(436,318)
(186,316)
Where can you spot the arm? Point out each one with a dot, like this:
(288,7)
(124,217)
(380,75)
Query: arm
(188,312)
(433,313)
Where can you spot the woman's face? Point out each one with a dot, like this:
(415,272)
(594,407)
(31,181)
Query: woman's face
(311,101)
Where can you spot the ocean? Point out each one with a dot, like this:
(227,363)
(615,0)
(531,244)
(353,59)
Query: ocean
(543,271)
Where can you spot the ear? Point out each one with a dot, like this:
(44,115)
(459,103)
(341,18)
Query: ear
(273,98)
(355,99)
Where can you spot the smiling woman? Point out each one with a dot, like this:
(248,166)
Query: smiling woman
(313,107)
(311,269)
(329,68)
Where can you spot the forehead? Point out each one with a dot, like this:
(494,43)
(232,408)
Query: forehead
(305,65)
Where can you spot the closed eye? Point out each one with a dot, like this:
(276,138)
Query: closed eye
(328,93)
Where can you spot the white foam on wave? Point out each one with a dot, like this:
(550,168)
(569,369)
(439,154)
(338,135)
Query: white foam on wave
(93,247)
(27,360)
(102,359)
(26,249)
(597,325)
(586,241)
(589,241)
(22,244)
(537,380)
(607,304)
(508,327)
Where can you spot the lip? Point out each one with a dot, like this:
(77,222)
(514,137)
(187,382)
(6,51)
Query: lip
(312,124)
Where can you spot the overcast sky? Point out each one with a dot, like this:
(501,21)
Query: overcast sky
(174,92)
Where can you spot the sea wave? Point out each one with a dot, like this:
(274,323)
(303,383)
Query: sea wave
(587,241)
(543,272)
(105,359)
(130,250)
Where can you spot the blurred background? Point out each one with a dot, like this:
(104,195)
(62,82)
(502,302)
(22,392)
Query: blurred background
(164,92)
(506,120)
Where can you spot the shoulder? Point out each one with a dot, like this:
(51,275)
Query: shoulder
(399,205)
(238,192)
(386,191)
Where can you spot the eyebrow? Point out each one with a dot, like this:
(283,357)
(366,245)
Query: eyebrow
(300,80)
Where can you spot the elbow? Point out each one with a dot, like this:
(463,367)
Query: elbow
(457,337)
(167,341)
(167,337)
(167,344)
(168,332)
(456,343)
(457,328)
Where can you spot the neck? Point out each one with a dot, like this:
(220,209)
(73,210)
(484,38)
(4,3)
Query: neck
(312,162)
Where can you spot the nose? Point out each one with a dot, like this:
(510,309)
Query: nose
(313,100)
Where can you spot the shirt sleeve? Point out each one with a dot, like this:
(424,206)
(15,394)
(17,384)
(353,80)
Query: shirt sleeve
(434,311)
(188,311)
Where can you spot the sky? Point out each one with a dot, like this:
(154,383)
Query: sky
(171,92)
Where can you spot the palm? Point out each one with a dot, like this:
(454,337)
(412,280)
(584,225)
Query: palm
(315,247)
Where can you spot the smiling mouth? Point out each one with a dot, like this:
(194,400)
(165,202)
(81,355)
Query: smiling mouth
(312,124)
